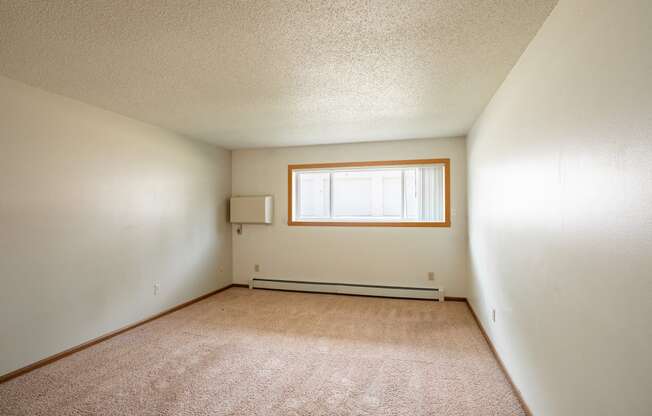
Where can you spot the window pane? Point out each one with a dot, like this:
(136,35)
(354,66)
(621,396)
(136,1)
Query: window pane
(352,194)
(368,193)
(392,194)
(411,194)
(386,193)
(313,192)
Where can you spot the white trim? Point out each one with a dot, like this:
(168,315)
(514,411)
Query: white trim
(429,293)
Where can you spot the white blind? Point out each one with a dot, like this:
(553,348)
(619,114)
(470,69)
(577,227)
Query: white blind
(431,207)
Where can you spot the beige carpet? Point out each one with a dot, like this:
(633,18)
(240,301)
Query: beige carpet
(260,352)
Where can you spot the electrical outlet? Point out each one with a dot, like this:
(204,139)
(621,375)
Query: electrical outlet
(256,267)
(157,288)
(493,315)
(431,276)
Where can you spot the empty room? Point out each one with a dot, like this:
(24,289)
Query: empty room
(356,207)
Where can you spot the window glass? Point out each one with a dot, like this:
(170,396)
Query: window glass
(370,194)
(313,192)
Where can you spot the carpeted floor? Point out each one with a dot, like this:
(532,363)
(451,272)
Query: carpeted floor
(261,352)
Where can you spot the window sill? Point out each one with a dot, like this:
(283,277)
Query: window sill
(446,224)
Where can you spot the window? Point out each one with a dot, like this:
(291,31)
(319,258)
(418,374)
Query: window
(408,193)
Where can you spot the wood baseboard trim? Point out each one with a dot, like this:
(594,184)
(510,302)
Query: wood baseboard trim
(519,396)
(87,344)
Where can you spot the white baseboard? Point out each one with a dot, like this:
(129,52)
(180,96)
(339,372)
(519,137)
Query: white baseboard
(349,289)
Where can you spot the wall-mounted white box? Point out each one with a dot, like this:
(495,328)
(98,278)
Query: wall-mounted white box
(251,209)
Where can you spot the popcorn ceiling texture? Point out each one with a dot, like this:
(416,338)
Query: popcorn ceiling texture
(266,353)
(273,73)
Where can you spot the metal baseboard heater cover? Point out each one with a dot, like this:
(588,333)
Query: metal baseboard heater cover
(428,293)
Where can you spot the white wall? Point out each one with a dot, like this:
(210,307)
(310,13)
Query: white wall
(560,212)
(94,207)
(369,255)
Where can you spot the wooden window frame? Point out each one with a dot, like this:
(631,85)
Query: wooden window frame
(447,194)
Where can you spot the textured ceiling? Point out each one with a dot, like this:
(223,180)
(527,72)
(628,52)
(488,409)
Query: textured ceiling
(274,73)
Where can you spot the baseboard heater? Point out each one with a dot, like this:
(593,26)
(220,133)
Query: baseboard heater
(429,293)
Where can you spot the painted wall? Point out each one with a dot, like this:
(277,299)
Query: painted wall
(368,255)
(95,207)
(560,212)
